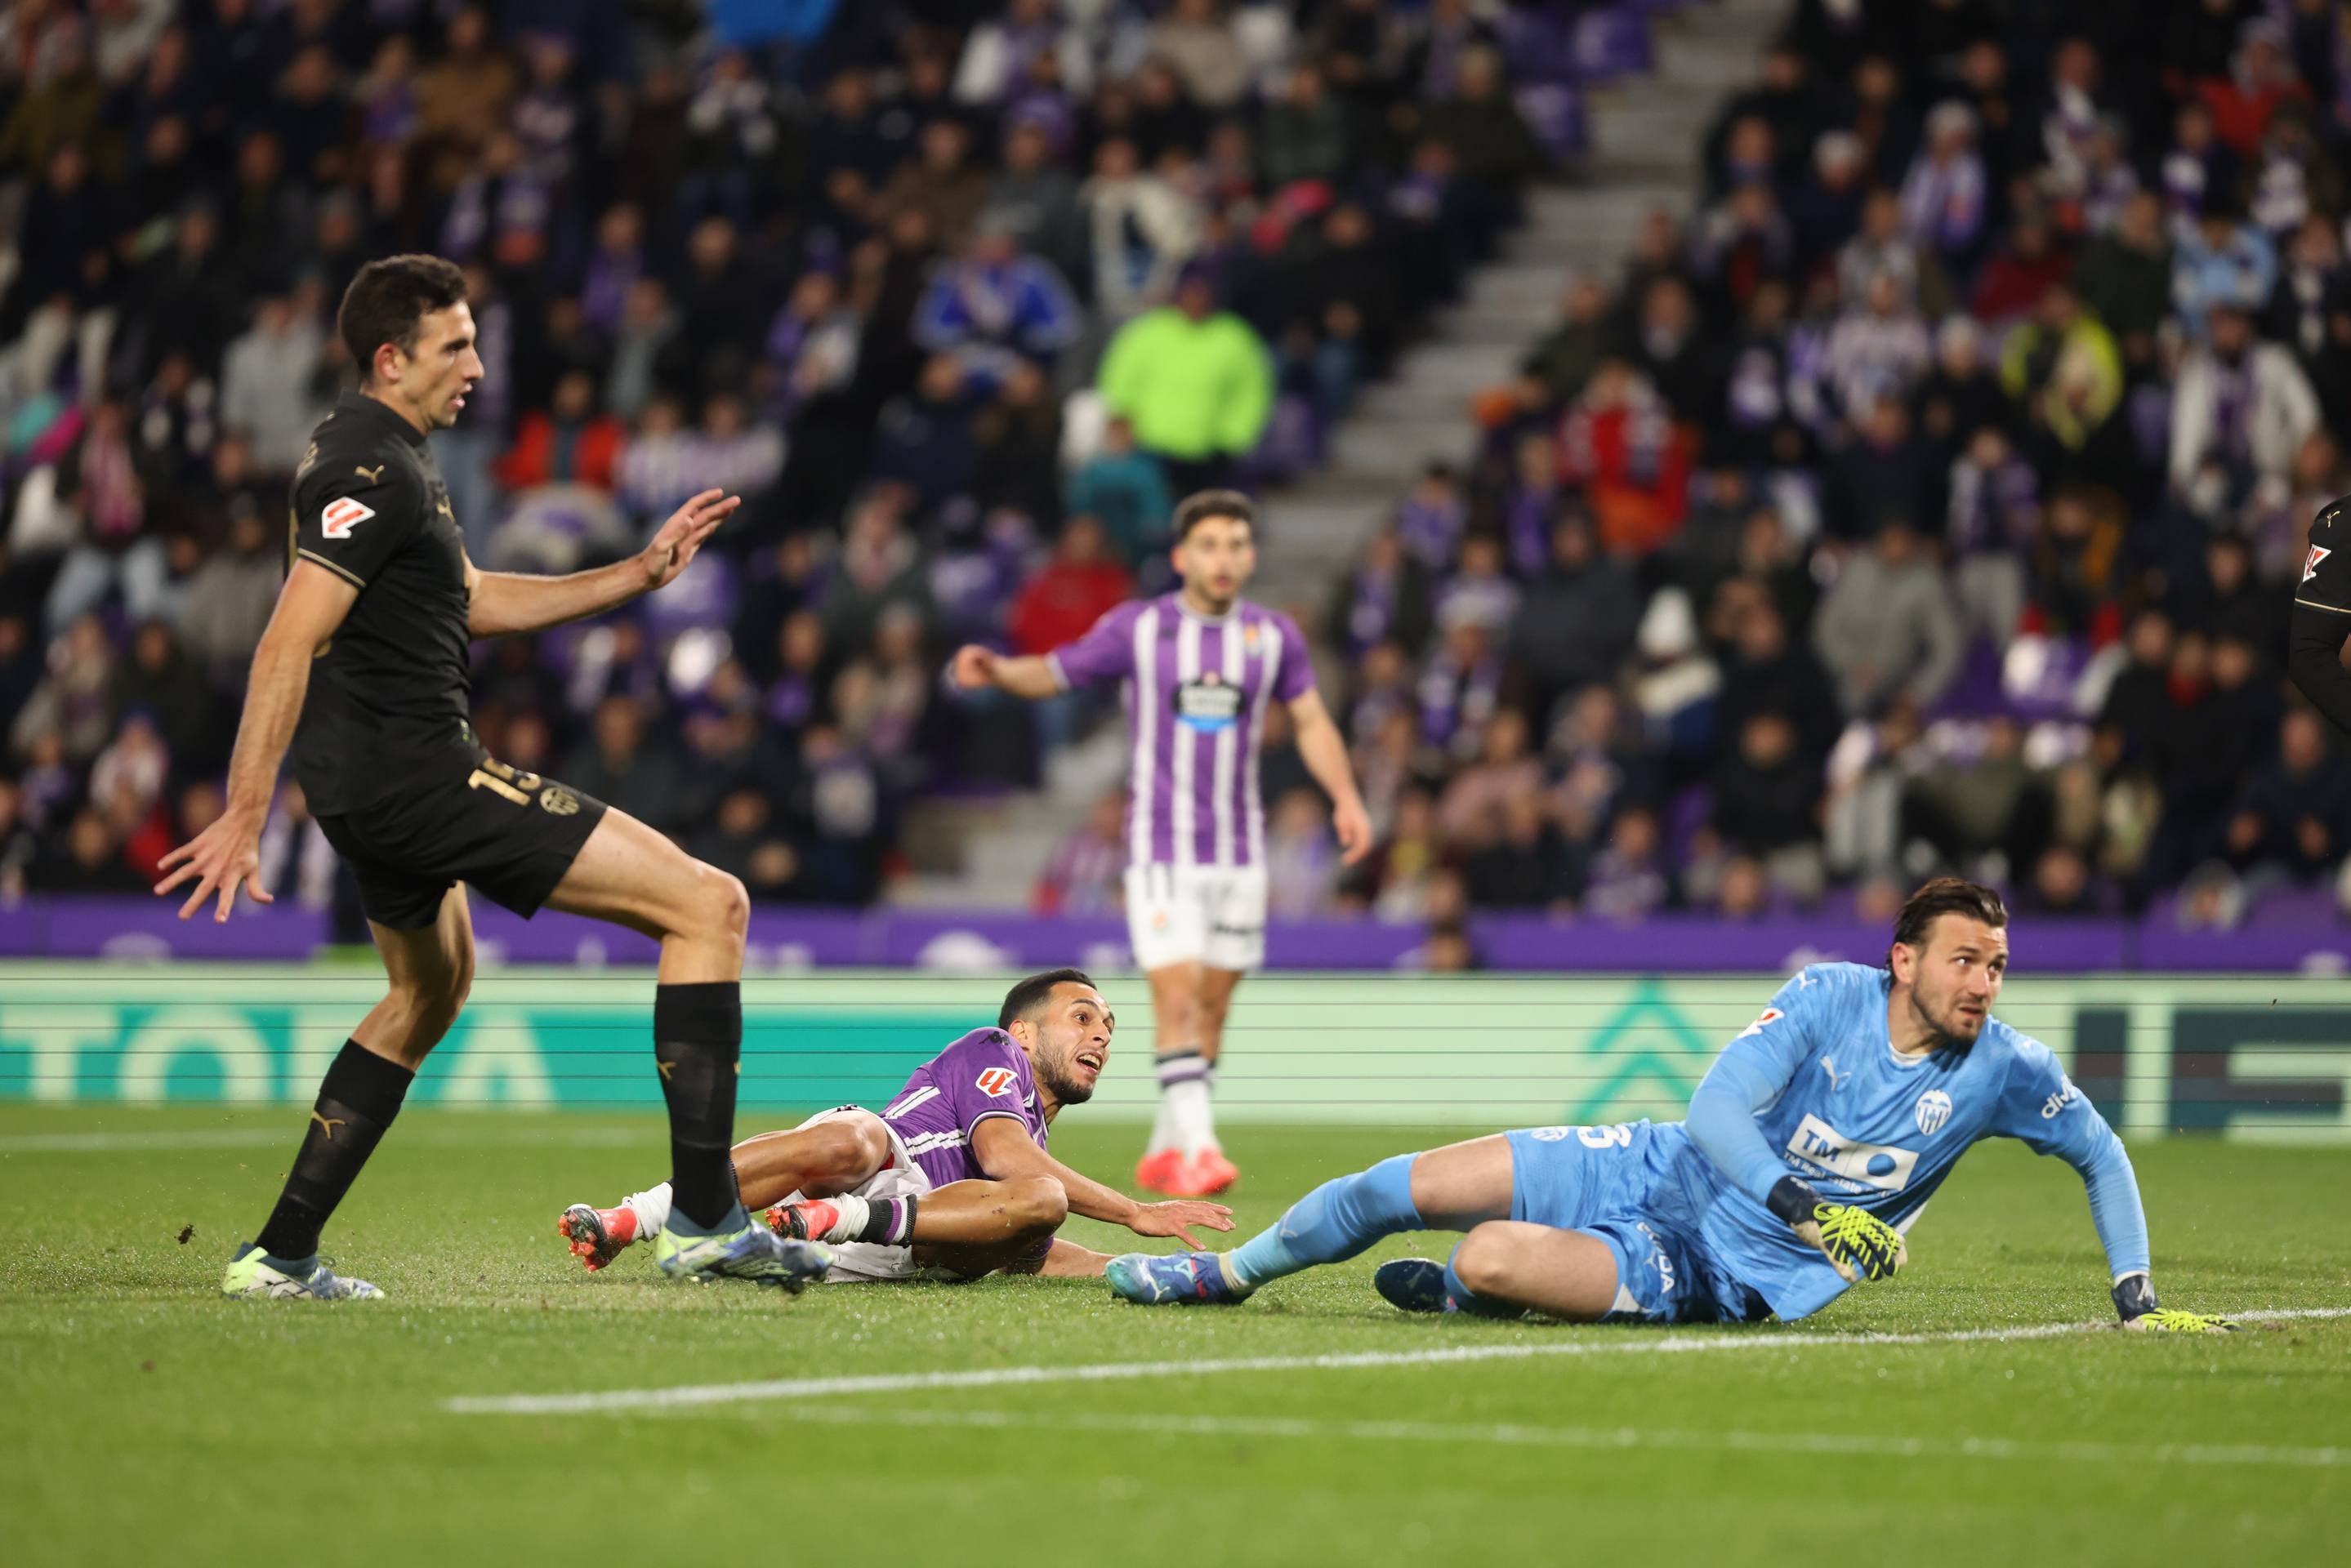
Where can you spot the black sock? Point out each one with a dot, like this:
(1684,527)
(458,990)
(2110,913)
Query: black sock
(891,1220)
(698,1042)
(357,1100)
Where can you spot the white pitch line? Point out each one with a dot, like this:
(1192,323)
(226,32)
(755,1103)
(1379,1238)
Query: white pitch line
(1630,1343)
(487,1132)
(1509,1435)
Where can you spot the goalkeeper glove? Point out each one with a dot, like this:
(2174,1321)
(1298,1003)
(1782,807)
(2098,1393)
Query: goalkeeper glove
(1858,1244)
(2135,1300)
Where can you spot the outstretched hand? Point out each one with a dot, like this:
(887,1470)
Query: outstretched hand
(674,546)
(974,667)
(223,857)
(1176,1218)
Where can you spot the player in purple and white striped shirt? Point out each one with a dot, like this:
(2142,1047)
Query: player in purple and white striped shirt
(951,1178)
(1200,666)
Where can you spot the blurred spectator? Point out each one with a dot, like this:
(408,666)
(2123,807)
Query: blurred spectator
(613,763)
(1141,230)
(1195,382)
(995,305)
(2294,813)
(1086,873)
(266,386)
(1887,626)
(567,444)
(2241,409)
(1125,489)
(1576,622)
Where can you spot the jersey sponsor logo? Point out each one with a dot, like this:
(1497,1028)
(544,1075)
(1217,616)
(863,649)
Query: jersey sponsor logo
(1836,1080)
(1934,1108)
(997,1081)
(2309,562)
(1771,1015)
(1208,704)
(2065,1096)
(1819,1150)
(341,515)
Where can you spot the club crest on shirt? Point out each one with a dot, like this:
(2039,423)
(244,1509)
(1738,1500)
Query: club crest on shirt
(341,515)
(1208,704)
(1934,1108)
(2309,562)
(997,1081)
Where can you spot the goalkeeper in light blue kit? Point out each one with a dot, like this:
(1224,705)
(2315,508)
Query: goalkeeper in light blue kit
(1812,1145)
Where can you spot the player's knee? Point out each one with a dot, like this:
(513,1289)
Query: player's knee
(720,907)
(1483,1262)
(1035,1203)
(850,1150)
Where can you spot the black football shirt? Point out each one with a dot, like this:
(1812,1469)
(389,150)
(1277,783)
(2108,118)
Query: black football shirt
(387,691)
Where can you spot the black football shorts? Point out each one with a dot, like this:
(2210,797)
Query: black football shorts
(510,834)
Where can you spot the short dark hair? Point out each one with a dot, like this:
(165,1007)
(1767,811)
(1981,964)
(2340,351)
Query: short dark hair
(1198,509)
(1032,993)
(1945,896)
(387,301)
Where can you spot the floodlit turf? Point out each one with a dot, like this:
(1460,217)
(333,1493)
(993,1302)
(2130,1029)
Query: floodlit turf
(144,1420)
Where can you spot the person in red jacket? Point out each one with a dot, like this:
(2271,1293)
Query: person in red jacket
(567,443)
(1082,584)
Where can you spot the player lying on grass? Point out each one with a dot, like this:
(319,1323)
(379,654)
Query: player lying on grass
(1812,1145)
(952,1179)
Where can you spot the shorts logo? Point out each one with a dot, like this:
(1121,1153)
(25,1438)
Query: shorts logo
(1771,1015)
(1550,1135)
(2309,562)
(1816,1149)
(341,516)
(557,801)
(997,1081)
(1934,1109)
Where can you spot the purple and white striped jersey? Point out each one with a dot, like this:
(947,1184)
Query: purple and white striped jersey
(1197,690)
(984,1074)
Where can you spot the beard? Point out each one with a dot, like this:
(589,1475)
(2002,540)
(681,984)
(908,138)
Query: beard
(1063,1085)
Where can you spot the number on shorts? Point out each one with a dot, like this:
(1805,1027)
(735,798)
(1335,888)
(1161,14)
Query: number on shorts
(481,780)
(1616,1137)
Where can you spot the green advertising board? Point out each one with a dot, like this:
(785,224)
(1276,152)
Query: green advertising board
(2249,1058)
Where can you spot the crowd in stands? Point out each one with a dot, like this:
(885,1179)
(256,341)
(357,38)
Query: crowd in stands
(957,294)
(1931,495)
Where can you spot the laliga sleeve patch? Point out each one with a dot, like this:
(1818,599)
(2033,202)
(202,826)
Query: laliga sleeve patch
(2310,562)
(341,515)
(997,1081)
(1771,1015)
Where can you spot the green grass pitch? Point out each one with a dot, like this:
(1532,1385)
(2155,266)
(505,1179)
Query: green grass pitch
(144,1420)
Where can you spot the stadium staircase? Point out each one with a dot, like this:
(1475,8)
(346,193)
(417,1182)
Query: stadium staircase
(1645,136)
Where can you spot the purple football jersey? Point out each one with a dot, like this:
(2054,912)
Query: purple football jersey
(983,1074)
(1197,690)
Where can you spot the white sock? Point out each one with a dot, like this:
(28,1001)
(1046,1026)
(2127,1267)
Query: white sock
(1184,1081)
(652,1208)
(1163,1130)
(855,1213)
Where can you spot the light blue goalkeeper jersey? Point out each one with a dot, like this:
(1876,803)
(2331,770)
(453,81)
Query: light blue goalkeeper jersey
(1814,1088)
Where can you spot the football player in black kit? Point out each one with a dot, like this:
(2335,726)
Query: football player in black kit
(367,648)
(2322,616)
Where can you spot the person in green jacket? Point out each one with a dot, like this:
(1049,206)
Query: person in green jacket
(1196,382)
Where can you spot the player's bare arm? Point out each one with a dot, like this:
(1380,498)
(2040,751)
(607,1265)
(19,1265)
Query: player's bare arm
(1006,1152)
(227,854)
(1324,751)
(502,604)
(976,668)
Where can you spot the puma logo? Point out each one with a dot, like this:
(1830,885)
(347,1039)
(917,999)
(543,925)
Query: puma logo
(372,475)
(329,1123)
(666,1068)
(442,508)
(1836,1079)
